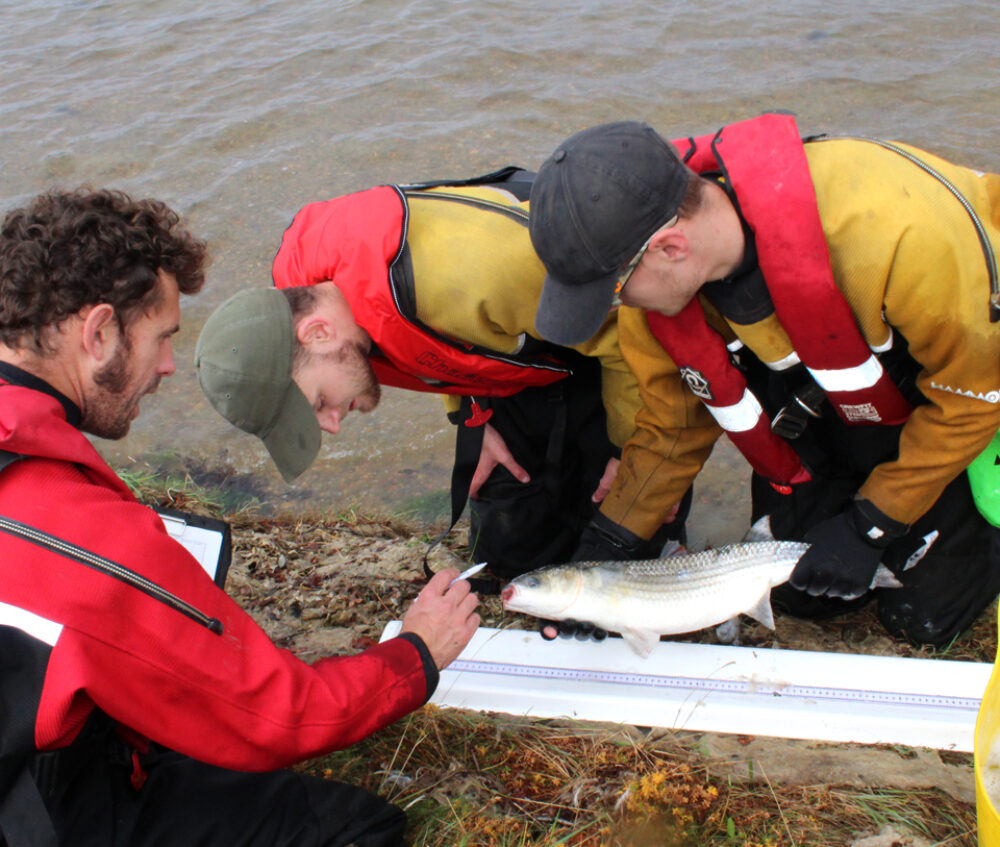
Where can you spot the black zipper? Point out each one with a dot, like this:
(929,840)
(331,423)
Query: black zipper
(109,568)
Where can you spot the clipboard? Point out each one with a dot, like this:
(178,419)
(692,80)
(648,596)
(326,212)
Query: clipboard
(209,540)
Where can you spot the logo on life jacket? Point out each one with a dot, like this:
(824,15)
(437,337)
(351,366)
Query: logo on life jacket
(435,363)
(697,383)
(989,396)
(861,412)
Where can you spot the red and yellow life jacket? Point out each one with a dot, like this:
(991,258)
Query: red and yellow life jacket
(763,162)
(358,242)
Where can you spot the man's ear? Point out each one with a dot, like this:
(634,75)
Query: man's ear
(99,332)
(672,241)
(315,331)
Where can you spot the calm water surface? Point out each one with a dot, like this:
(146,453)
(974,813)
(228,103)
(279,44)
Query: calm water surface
(238,113)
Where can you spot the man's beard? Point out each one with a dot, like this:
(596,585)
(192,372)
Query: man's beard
(108,412)
(369,392)
(363,382)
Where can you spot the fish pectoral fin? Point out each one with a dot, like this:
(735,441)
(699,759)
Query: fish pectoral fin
(642,641)
(884,578)
(761,610)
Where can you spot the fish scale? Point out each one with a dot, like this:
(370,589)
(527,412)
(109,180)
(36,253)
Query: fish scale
(708,564)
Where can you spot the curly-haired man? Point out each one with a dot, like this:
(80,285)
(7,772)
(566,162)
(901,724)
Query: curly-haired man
(136,699)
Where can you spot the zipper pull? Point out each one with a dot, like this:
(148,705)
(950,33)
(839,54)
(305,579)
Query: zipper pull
(138,775)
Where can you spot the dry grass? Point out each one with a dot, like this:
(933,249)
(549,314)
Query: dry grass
(492,781)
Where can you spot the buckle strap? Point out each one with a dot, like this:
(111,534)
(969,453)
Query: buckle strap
(806,403)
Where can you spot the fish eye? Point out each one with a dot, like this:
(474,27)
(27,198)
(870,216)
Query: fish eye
(532,582)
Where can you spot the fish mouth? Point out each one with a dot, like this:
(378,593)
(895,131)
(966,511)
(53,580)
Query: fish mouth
(507,595)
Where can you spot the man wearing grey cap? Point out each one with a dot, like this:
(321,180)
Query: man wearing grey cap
(829,305)
(433,288)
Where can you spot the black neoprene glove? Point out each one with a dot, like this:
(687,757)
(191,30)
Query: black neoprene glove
(845,552)
(580,630)
(602,540)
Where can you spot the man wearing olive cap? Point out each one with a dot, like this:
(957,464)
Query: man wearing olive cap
(829,305)
(433,288)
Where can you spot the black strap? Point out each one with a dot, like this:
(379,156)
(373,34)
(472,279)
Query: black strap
(24,819)
(555,393)
(468,446)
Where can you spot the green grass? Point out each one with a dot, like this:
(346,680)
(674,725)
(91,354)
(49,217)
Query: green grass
(154,489)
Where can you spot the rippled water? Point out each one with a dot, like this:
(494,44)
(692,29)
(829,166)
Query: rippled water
(238,113)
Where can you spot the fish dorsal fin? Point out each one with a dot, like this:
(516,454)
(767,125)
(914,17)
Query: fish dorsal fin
(642,641)
(761,610)
(760,531)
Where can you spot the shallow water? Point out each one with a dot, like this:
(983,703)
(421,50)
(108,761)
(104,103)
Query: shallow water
(238,113)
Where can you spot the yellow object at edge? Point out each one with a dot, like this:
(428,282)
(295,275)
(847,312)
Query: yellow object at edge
(987,730)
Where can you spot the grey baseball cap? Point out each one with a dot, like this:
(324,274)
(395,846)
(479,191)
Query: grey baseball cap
(244,364)
(594,203)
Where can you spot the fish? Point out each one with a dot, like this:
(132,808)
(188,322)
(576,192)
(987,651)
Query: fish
(645,599)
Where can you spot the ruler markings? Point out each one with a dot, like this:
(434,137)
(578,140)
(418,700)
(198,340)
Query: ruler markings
(707,684)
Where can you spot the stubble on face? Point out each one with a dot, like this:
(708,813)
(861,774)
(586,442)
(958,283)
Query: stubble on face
(110,405)
(369,390)
(357,385)
(361,376)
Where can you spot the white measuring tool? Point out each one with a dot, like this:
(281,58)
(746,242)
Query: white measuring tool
(752,691)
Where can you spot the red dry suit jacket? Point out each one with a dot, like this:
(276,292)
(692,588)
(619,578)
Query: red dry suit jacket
(156,645)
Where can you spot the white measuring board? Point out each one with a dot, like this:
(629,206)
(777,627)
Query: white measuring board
(837,697)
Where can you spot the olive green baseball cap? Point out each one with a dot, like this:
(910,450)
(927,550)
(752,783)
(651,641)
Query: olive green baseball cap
(244,364)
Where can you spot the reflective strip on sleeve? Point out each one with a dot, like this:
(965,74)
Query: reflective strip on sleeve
(30,623)
(739,417)
(784,364)
(850,379)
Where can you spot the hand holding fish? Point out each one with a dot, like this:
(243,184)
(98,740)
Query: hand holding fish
(844,552)
(604,540)
(444,616)
(568,628)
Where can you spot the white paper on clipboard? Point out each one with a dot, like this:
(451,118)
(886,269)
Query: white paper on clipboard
(202,538)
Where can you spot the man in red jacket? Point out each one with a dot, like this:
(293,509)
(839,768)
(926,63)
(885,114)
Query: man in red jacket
(138,704)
